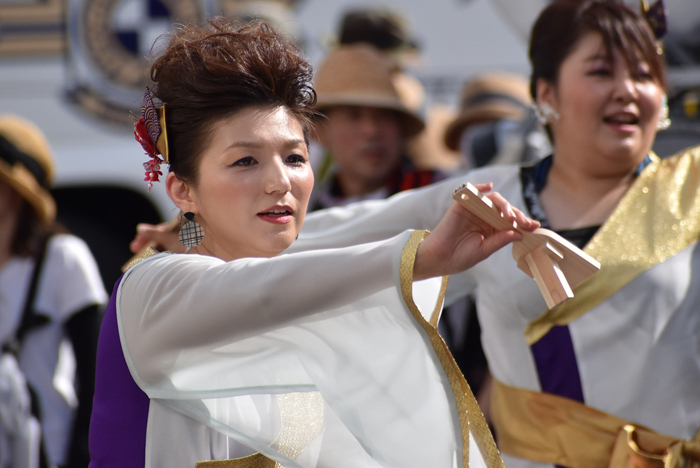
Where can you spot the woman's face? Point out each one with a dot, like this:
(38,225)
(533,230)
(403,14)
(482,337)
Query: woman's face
(606,109)
(254,185)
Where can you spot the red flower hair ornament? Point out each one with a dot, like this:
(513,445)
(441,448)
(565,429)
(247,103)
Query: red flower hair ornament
(150,131)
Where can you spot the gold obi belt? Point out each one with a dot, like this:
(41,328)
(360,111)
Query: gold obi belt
(548,428)
(253,461)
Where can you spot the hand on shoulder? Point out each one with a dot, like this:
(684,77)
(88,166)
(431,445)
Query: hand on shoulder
(162,237)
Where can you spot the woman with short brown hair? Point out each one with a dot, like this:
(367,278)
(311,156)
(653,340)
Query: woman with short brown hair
(232,350)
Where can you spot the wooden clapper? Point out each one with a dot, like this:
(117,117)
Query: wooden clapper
(555,263)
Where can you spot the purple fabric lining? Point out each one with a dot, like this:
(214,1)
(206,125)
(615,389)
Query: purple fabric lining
(557,368)
(120,407)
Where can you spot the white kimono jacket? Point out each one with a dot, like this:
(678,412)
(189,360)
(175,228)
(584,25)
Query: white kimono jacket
(313,359)
(637,350)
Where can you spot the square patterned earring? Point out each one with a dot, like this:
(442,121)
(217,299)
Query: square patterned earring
(191,233)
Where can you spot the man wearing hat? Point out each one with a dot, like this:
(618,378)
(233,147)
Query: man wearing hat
(364,131)
(496,124)
(50,293)
(387,30)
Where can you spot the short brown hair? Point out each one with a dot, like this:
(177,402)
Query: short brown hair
(564,22)
(209,73)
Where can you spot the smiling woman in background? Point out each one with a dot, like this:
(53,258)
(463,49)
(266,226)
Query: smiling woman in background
(232,350)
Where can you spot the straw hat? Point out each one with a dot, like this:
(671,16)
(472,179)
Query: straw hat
(26,164)
(359,75)
(489,97)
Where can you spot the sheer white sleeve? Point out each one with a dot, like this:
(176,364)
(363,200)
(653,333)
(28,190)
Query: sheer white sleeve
(374,220)
(380,219)
(186,301)
(313,359)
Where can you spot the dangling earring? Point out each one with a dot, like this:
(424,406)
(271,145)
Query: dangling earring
(191,233)
(541,119)
(545,114)
(664,121)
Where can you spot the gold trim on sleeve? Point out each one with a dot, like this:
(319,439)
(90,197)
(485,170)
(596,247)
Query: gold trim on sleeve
(470,416)
(658,217)
(437,312)
(148,252)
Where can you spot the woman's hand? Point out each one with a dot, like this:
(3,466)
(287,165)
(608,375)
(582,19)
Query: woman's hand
(461,239)
(162,237)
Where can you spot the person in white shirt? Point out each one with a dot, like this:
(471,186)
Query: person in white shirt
(50,302)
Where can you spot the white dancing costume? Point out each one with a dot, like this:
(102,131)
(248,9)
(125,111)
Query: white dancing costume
(313,359)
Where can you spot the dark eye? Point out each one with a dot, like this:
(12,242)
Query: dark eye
(296,159)
(644,75)
(600,72)
(244,162)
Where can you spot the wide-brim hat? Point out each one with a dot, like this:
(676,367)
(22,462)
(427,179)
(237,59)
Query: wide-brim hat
(360,75)
(26,164)
(489,97)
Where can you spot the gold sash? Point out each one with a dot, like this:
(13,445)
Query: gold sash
(658,217)
(470,416)
(253,461)
(548,428)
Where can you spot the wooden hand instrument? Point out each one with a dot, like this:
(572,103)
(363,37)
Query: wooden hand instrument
(555,263)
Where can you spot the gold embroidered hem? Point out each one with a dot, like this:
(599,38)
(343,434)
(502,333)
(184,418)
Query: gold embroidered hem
(301,421)
(658,217)
(253,461)
(548,428)
(470,415)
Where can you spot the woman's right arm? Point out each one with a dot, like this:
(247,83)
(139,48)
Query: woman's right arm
(366,221)
(186,301)
(183,301)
